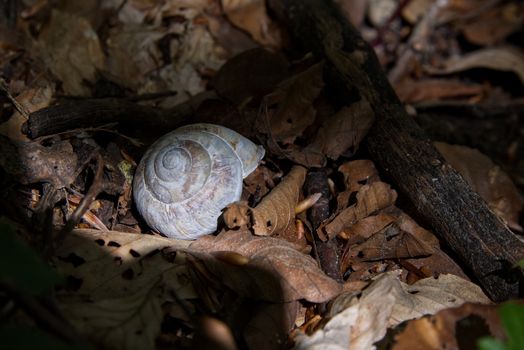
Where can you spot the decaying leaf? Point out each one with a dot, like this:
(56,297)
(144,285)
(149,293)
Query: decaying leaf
(251,15)
(70,48)
(276,271)
(31,162)
(358,323)
(130,321)
(118,282)
(295,111)
(113,264)
(453,328)
(276,211)
(370,198)
(344,130)
(491,182)
(505,58)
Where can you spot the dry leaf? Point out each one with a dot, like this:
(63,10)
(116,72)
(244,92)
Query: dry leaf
(275,270)
(30,162)
(393,243)
(344,130)
(131,321)
(70,48)
(491,182)
(366,227)
(118,282)
(133,53)
(251,16)
(114,264)
(253,73)
(370,198)
(276,211)
(358,324)
(357,172)
(295,110)
(414,91)
(451,329)
(493,26)
(507,58)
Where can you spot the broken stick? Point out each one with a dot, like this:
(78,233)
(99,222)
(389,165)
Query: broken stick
(399,146)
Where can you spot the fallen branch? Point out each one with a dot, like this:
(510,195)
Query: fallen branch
(399,146)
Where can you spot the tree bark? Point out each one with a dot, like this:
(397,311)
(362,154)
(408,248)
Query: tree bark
(400,147)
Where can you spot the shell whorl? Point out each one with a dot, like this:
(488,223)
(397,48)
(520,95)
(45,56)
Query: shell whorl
(189,175)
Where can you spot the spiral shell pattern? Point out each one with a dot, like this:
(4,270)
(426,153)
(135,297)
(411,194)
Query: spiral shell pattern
(188,176)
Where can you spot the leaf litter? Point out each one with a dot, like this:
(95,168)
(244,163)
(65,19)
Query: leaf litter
(258,279)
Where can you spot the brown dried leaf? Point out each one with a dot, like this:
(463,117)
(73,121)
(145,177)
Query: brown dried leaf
(344,130)
(276,211)
(276,271)
(356,172)
(370,198)
(366,227)
(360,322)
(251,16)
(493,26)
(413,91)
(506,58)
(492,183)
(30,162)
(253,73)
(295,110)
(393,243)
(70,48)
(453,328)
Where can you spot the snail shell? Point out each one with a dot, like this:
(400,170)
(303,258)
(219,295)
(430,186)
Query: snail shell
(189,175)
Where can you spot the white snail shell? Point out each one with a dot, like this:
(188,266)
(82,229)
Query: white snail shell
(188,176)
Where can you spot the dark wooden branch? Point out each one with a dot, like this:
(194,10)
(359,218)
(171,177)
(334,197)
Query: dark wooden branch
(128,115)
(457,214)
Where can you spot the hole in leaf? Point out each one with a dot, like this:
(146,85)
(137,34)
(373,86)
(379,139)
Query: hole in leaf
(128,274)
(268,223)
(134,253)
(74,259)
(100,242)
(113,244)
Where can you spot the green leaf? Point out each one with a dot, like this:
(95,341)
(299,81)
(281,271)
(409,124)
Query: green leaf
(512,316)
(21,266)
(520,264)
(490,343)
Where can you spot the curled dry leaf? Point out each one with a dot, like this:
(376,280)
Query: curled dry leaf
(359,323)
(506,58)
(491,182)
(344,130)
(276,211)
(276,270)
(370,198)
